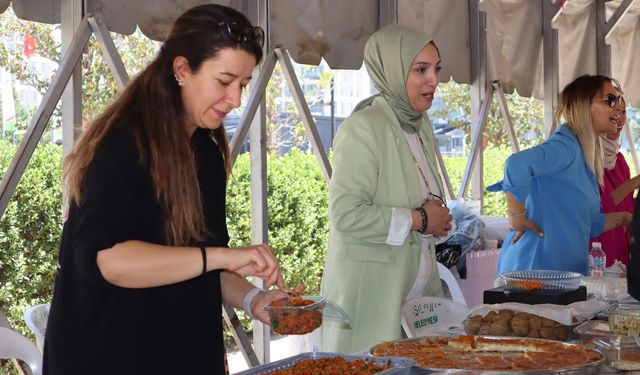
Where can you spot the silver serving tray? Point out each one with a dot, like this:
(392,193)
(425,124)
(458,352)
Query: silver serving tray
(590,369)
(397,362)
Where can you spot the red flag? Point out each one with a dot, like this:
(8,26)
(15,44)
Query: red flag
(29,44)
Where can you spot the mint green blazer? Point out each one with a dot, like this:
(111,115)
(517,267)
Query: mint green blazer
(373,171)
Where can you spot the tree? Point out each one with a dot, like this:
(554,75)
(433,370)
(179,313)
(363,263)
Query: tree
(527,114)
(98,85)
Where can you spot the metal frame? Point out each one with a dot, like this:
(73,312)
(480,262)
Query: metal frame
(442,168)
(43,113)
(38,123)
(477,49)
(550,63)
(506,116)
(71,16)
(604,28)
(475,157)
(305,113)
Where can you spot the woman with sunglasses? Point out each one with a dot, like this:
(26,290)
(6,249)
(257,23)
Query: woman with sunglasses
(616,192)
(551,189)
(144,264)
(384,205)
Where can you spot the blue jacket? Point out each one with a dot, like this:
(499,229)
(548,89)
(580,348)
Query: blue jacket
(560,194)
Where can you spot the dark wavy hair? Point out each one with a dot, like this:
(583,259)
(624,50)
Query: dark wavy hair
(151,105)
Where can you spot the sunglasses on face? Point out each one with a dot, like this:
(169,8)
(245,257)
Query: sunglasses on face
(612,100)
(242,33)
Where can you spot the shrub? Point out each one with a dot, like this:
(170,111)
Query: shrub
(297,214)
(493,166)
(30,232)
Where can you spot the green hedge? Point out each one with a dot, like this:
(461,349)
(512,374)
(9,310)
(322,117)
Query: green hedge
(297,209)
(30,232)
(493,167)
(297,213)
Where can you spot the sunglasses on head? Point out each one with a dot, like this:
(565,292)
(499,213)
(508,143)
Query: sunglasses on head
(612,100)
(242,33)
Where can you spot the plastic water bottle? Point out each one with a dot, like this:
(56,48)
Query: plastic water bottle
(597,260)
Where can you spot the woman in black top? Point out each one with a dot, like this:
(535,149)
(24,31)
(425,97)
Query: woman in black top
(144,263)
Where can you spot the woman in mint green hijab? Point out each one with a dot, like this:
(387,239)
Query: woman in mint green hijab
(381,208)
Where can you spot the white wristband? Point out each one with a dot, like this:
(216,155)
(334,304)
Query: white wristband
(248,298)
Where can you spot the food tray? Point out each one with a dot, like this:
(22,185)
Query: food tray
(590,369)
(398,363)
(528,280)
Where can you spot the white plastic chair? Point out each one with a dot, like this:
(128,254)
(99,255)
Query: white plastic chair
(424,316)
(36,319)
(452,284)
(15,346)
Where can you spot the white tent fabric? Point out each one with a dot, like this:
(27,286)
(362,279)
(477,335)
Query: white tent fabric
(336,30)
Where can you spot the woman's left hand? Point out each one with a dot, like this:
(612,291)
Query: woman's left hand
(521,224)
(265,298)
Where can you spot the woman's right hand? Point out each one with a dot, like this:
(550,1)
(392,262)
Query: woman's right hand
(439,217)
(256,260)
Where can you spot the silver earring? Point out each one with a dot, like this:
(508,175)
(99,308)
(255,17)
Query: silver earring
(177,79)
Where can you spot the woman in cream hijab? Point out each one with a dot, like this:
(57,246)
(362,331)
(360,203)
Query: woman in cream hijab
(382,206)
(616,191)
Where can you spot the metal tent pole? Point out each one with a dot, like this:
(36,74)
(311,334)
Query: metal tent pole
(441,167)
(550,64)
(506,116)
(475,142)
(479,87)
(257,93)
(109,50)
(43,113)
(303,110)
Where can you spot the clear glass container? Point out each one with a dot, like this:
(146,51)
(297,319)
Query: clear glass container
(620,352)
(529,280)
(624,318)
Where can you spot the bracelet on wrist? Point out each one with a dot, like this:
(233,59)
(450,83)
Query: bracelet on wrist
(248,299)
(203,251)
(425,219)
(516,214)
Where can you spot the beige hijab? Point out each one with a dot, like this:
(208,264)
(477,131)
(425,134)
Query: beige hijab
(610,149)
(388,55)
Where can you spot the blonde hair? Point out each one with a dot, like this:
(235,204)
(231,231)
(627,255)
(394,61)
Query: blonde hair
(575,109)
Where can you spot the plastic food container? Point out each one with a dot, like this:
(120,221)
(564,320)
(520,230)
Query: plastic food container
(621,352)
(529,280)
(304,315)
(593,329)
(624,318)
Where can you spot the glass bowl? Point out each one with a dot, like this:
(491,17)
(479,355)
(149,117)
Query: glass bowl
(530,280)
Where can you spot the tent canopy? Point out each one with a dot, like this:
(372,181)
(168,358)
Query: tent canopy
(312,30)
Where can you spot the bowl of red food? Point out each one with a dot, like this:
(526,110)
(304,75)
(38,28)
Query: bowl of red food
(296,316)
